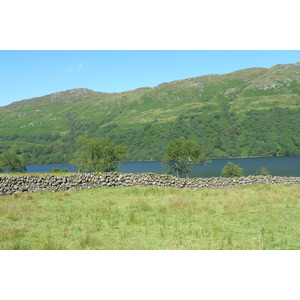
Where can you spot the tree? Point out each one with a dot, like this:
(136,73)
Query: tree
(232,170)
(98,155)
(12,162)
(182,155)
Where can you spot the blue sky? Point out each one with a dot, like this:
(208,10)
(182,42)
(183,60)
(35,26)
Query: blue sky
(28,74)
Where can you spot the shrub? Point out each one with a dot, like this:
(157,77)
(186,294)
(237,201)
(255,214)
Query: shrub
(232,170)
(263,171)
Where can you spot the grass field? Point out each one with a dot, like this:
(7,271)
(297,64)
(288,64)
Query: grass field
(252,217)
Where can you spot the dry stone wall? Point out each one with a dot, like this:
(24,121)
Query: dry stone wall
(29,183)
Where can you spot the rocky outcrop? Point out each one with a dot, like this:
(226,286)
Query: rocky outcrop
(21,184)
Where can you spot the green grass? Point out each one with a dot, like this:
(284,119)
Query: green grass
(253,217)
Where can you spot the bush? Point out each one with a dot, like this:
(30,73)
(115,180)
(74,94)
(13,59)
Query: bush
(263,171)
(55,170)
(232,170)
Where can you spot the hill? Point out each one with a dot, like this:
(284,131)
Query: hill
(250,112)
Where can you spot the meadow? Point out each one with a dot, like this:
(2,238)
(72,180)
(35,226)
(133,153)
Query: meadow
(250,217)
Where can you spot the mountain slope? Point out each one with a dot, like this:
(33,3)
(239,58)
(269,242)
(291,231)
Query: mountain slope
(249,112)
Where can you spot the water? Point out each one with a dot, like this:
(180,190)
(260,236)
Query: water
(48,168)
(278,166)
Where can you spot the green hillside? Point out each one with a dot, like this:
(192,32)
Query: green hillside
(251,112)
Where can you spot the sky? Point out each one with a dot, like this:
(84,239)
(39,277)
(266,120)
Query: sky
(26,74)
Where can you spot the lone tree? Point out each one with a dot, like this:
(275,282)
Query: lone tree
(12,162)
(232,170)
(182,155)
(98,155)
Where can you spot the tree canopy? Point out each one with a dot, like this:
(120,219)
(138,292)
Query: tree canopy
(232,170)
(182,155)
(98,155)
(12,162)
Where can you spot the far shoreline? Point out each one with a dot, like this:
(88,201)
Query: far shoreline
(238,157)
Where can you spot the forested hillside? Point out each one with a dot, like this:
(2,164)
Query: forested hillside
(251,112)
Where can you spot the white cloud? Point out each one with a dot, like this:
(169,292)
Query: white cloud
(69,69)
(72,68)
(80,65)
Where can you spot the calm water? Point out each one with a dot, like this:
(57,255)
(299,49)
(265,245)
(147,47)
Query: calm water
(278,166)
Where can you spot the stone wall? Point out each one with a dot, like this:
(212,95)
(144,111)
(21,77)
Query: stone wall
(30,183)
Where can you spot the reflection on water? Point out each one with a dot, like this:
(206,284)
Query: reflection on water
(278,166)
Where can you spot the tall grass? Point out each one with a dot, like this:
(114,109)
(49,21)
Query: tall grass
(252,217)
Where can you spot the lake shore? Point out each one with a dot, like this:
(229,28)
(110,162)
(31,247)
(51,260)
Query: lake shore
(278,166)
